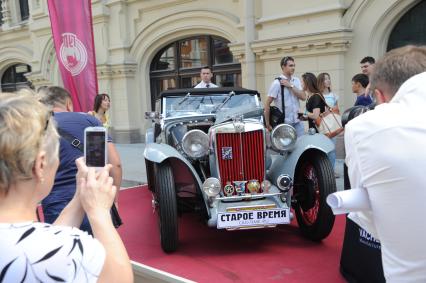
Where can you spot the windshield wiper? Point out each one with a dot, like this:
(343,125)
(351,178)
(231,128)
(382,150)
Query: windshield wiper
(201,102)
(188,95)
(231,94)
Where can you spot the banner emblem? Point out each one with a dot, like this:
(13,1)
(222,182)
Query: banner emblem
(73,54)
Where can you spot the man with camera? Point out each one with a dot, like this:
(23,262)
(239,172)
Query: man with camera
(71,127)
(286,91)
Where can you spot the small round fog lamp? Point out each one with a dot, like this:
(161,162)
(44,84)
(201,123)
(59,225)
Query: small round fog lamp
(266,185)
(211,187)
(284,182)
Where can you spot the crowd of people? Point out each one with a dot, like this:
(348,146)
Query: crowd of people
(287,90)
(38,163)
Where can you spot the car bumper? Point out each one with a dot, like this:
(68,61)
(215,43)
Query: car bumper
(263,212)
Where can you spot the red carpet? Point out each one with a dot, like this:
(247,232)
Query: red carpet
(209,255)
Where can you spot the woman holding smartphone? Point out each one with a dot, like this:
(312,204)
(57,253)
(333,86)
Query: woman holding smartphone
(34,251)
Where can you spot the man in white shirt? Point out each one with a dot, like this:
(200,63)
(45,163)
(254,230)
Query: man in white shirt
(385,155)
(206,76)
(292,93)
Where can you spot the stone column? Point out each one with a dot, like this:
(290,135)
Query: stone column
(119,82)
(249,33)
(116,71)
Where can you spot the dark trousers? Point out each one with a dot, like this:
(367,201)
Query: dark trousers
(361,259)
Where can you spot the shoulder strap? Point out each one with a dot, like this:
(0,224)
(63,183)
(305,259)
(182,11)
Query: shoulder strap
(282,98)
(71,139)
(322,97)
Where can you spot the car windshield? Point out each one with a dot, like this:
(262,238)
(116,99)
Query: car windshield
(199,105)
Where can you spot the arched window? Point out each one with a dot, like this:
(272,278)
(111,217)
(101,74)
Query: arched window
(178,64)
(410,29)
(13,78)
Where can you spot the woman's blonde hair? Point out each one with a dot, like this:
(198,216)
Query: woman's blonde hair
(26,128)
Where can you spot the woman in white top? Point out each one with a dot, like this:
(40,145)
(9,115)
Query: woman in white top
(324,85)
(31,251)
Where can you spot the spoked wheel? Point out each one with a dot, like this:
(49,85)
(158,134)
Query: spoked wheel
(314,181)
(166,207)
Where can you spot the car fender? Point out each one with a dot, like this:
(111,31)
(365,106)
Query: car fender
(158,153)
(286,164)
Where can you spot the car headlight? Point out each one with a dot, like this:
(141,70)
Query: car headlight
(283,137)
(195,143)
(211,187)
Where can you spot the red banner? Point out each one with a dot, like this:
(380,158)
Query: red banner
(72,29)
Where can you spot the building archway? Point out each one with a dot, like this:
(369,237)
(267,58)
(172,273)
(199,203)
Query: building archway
(178,64)
(410,29)
(163,32)
(13,78)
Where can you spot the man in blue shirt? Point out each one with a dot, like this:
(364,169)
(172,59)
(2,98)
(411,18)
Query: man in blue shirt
(359,85)
(72,123)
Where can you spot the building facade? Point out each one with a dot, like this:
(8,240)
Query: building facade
(145,46)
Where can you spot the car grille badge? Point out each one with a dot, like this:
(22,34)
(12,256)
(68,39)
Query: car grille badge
(253,186)
(228,189)
(240,187)
(227,153)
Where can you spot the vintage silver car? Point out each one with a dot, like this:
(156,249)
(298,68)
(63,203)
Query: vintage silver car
(208,151)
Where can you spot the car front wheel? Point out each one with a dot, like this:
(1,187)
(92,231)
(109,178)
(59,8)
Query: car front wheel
(314,181)
(166,207)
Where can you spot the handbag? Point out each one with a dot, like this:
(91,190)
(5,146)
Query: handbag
(329,123)
(277,117)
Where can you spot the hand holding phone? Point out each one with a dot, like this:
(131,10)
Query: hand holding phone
(95,147)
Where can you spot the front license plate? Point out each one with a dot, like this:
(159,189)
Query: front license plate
(253,218)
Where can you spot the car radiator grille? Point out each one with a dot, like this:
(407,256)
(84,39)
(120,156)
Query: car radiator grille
(241,156)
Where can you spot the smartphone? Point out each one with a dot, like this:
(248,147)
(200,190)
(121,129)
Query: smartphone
(95,146)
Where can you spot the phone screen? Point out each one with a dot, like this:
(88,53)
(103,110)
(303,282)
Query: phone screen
(95,148)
